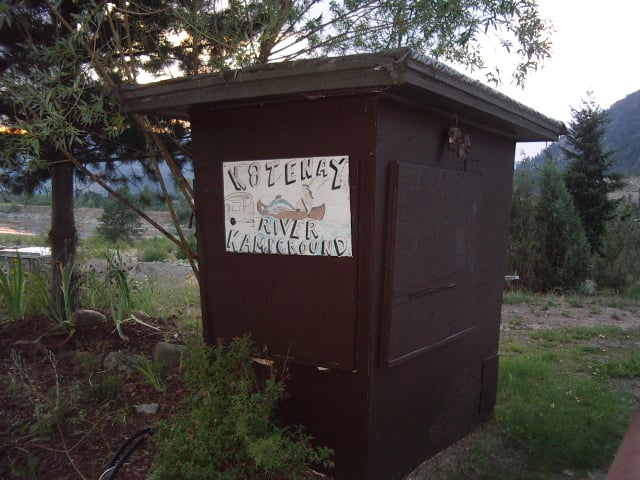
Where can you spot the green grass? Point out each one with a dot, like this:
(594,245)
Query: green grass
(557,399)
(565,421)
(14,240)
(564,402)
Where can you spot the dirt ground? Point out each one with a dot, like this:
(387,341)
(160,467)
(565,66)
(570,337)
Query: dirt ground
(63,414)
(565,315)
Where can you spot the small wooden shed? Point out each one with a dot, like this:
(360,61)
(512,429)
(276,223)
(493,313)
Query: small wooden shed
(352,215)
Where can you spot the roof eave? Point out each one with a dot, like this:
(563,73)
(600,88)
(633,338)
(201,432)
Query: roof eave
(401,71)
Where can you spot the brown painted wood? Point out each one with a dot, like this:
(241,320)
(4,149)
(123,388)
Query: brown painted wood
(391,353)
(434,258)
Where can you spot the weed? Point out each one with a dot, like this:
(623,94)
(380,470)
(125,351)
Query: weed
(228,430)
(107,388)
(12,288)
(516,297)
(151,374)
(118,288)
(60,308)
(154,255)
(576,302)
(517,321)
(628,367)
(48,407)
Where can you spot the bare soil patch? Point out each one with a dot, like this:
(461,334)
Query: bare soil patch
(72,431)
(565,315)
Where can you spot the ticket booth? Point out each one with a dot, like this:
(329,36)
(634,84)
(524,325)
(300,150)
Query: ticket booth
(352,215)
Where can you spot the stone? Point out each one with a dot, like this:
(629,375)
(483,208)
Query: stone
(123,361)
(148,408)
(87,318)
(169,355)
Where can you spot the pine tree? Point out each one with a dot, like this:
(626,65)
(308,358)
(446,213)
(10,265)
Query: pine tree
(589,179)
(618,265)
(562,258)
(118,222)
(522,240)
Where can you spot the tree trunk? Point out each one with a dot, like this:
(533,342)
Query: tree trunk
(63,238)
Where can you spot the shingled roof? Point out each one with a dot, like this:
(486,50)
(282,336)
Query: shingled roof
(400,73)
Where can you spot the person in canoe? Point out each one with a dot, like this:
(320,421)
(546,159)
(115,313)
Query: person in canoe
(281,208)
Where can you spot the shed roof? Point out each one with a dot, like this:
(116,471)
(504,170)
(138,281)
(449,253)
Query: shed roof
(401,73)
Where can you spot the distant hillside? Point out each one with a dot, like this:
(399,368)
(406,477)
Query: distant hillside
(623,134)
(622,137)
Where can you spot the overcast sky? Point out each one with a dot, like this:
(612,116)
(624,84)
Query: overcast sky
(595,47)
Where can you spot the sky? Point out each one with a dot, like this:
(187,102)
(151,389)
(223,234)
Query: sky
(594,49)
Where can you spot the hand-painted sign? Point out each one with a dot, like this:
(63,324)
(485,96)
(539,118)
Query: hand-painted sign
(295,206)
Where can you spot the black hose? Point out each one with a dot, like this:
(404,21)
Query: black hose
(126,449)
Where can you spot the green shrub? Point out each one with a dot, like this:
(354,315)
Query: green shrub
(228,430)
(154,254)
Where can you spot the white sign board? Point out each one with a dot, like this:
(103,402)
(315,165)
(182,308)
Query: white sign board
(294,206)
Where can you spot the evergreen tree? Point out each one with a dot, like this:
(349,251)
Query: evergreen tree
(562,258)
(63,93)
(618,265)
(522,240)
(118,222)
(589,178)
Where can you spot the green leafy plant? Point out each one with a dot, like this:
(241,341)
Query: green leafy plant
(151,374)
(119,293)
(60,307)
(12,288)
(118,288)
(228,430)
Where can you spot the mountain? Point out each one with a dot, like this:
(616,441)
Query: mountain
(622,137)
(623,134)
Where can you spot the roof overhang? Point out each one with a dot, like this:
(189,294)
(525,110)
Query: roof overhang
(400,73)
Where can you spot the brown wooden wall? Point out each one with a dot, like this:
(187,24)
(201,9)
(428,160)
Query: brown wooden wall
(385,403)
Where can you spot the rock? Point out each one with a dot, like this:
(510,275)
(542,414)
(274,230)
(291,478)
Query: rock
(148,408)
(123,361)
(87,318)
(168,355)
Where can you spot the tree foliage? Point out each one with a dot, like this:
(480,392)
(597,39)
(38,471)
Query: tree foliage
(619,260)
(62,60)
(589,177)
(548,246)
(522,235)
(118,223)
(563,256)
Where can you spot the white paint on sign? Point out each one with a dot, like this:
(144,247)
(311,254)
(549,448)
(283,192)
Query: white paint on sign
(294,206)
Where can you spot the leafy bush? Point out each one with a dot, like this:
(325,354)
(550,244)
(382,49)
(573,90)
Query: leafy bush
(155,249)
(618,264)
(154,255)
(228,431)
(119,222)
